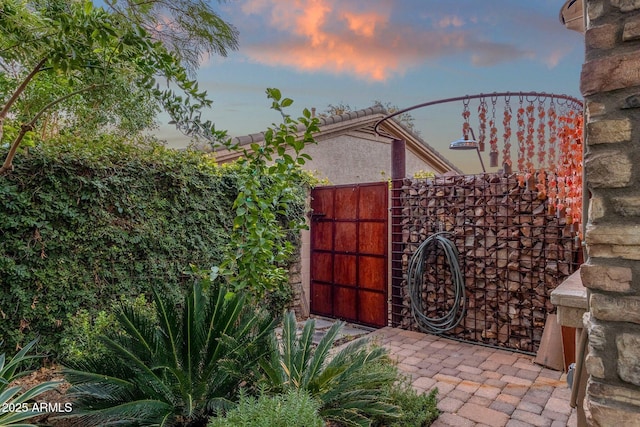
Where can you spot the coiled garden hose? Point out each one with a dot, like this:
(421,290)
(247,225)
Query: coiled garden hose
(415,281)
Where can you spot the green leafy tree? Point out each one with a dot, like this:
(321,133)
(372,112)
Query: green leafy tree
(191,29)
(88,53)
(120,108)
(406,119)
(177,370)
(261,244)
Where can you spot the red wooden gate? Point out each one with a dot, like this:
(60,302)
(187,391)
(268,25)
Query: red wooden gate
(349,253)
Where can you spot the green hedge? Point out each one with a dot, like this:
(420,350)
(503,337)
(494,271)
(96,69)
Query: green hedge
(83,223)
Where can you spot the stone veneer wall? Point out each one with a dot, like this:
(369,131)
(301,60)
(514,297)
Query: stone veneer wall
(299,303)
(610,83)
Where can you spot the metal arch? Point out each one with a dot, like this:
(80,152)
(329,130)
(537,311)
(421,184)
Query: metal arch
(570,100)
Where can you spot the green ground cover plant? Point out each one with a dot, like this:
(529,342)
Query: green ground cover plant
(416,409)
(208,361)
(356,384)
(295,408)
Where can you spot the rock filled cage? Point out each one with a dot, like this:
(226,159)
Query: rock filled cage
(515,232)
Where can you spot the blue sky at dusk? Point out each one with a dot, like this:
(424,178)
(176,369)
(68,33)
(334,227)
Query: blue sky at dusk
(404,52)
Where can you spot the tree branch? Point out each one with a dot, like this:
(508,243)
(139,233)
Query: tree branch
(19,90)
(7,166)
(5,110)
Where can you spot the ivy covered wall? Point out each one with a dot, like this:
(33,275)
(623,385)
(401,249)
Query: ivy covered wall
(82,225)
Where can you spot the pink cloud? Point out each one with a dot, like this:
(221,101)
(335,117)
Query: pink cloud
(364,24)
(322,38)
(359,38)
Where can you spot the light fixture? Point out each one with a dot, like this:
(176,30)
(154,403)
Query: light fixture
(468,144)
(572,15)
(464,144)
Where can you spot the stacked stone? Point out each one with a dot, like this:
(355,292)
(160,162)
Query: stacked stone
(513,253)
(610,82)
(299,303)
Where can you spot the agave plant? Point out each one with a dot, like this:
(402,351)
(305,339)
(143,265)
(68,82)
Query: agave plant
(17,407)
(350,391)
(175,370)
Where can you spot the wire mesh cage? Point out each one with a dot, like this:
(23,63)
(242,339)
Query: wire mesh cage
(513,249)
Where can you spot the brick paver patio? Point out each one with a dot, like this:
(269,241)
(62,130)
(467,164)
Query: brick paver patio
(480,386)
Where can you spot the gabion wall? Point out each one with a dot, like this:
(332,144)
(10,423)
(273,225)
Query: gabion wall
(513,251)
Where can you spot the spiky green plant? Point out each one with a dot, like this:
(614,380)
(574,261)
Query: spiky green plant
(17,407)
(349,392)
(175,371)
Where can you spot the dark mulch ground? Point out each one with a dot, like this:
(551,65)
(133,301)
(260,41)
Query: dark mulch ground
(54,398)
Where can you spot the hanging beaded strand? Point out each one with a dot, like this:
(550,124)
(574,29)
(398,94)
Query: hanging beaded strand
(574,213)
(493,134)
(541,186)
(568,165)
(482,117)
(531,148)
(506,150)
(552,124)
(465,116)
(552,182)
(521,141)
(563,160)
(542,140)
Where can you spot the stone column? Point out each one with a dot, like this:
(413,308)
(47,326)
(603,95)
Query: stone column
(610,83)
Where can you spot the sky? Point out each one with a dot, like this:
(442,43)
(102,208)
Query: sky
(401,52)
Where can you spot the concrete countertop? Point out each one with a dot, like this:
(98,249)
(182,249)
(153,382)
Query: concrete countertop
(571,299)
(570,293)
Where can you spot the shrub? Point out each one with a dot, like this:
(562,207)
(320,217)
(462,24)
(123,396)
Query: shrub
(16,407)
(294,408)
(81,339)
(349,390)
(416,410)
(175,371)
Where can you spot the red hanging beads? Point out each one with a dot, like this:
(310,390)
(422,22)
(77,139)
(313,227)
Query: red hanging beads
(506,150)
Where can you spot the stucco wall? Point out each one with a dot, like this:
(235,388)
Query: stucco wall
(356,158)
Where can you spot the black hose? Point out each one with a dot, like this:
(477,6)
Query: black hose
(415,281)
